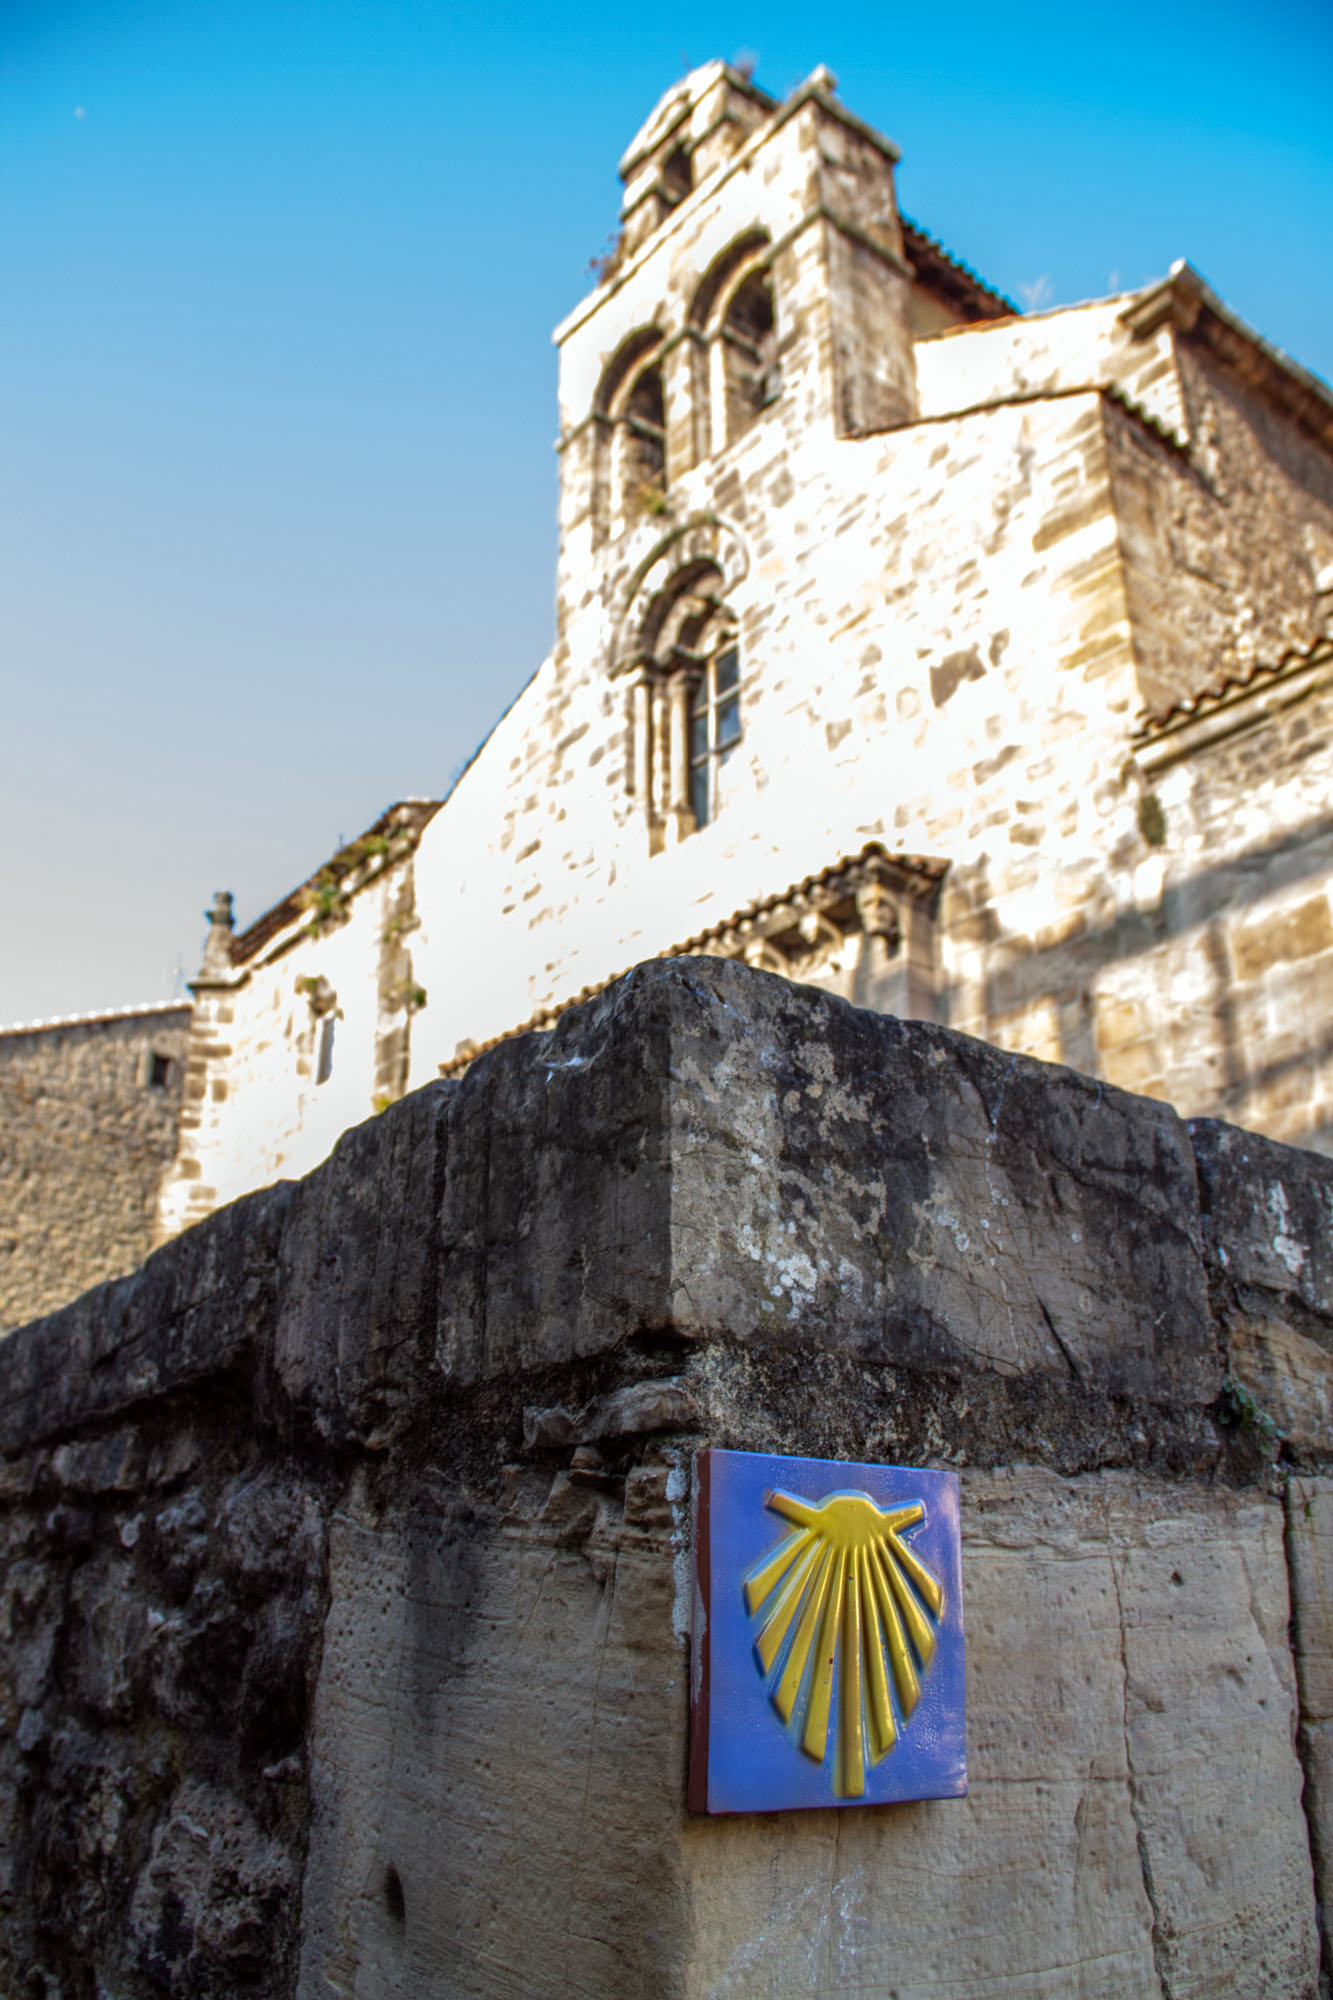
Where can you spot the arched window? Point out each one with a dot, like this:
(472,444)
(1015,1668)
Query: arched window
(750,356)
(686,704)
(644,452)
(677,176)
(630,408)
(733,310)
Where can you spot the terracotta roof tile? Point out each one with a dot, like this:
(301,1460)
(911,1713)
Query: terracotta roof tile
(407,818)
(956,280)
(1231,683)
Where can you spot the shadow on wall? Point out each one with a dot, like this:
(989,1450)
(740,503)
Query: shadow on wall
(1202,1053)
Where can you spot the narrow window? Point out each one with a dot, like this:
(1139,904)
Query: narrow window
(715,728)
(324,1060)
(750,348)
(645,456)
(159,1071)
(677,176)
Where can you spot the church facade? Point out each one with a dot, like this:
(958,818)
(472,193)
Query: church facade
(976,666)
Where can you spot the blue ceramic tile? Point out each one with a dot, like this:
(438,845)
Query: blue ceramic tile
(827,1665)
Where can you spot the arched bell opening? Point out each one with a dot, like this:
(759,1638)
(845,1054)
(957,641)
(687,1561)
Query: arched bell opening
(749,353)
(629,435)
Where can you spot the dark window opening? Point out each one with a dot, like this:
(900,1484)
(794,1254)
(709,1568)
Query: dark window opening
(748,331)
(715,728)
(645,420)
(324,1059)
(159,1071)
(677,176)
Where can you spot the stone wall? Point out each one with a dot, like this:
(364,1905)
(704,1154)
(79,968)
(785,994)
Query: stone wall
(302,1026)
(346,1628)
(1225,542)
(87,1129)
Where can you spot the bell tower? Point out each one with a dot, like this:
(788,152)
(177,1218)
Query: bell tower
(757,295)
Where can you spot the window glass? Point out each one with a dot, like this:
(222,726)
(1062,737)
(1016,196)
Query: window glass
(699,793)
(715,728)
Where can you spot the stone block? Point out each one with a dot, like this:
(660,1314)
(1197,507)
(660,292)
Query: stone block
(1268,1220)
(1130,1704)
(843,1181)
(1301,932)
(360,1271)
(192,1311)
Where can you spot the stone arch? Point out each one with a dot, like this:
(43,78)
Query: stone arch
(624,365)
(732,314)
(726,271)
(678,643)
(704,555)
(630,415)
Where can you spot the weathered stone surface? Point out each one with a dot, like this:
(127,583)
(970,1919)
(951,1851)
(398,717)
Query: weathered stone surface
(88,1127)
(360,1271)
(1268,1213)
(1131,1703)
(898,1189)
(158,1644)
(210,1896)
(190,1313)
(1310,1556)
(667,1405)
(1286,1374)
(368,1500)
(1268,1227)
(497,1774)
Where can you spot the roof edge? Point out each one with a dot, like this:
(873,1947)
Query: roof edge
(1184,301)
(144,1012)
(957,280)
(400,824)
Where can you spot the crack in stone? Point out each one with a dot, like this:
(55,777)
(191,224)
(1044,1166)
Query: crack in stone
(1159,1944)
(1292,1497)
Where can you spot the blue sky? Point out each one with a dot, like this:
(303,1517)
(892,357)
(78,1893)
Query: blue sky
(277,399)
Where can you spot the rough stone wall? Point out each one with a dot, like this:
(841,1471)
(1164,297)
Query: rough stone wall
(1206,975)
(409,1443)
(1226,542)
(1238,926)
(1061,352)
(85,1139)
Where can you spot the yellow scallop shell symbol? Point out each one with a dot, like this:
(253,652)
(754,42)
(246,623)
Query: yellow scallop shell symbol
(843,1600)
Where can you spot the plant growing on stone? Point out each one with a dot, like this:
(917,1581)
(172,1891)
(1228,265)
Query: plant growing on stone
(1152,820)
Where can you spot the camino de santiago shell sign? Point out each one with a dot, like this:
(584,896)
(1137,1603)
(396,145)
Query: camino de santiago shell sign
(827,1662)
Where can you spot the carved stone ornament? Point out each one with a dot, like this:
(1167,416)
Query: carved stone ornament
(703,547)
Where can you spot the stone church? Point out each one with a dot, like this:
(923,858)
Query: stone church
(974,665)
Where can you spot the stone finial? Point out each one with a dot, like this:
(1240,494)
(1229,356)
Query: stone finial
(217,945)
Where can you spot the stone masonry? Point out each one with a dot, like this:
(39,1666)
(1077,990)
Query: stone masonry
(89,1115)
(346,1619)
